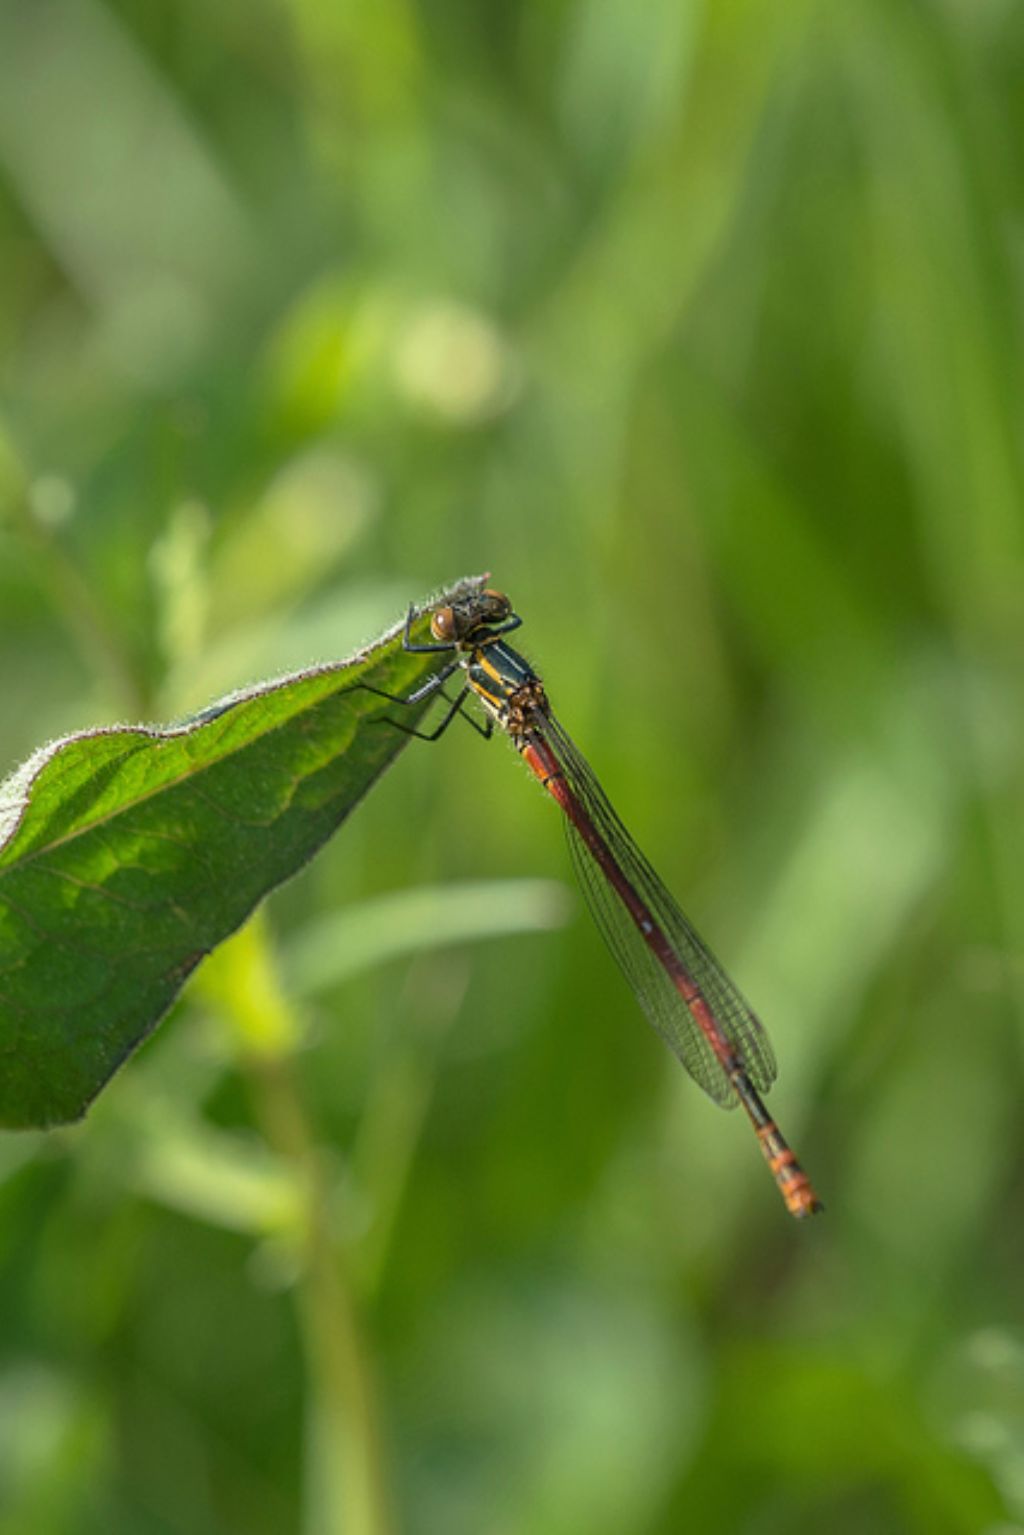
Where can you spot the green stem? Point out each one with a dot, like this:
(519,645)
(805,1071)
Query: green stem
(354,1485)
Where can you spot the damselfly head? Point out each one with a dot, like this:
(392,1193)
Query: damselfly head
(457,620)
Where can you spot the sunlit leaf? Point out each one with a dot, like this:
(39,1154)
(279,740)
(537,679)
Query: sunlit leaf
(128,853)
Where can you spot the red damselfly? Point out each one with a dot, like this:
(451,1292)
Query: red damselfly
(678,982)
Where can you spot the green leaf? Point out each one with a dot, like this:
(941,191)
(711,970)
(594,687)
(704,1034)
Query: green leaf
(128,853)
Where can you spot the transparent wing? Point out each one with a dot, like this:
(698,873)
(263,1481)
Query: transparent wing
(656,992)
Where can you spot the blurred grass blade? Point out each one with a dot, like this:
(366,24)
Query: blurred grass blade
(227,1180)
(128,853)
(344,943)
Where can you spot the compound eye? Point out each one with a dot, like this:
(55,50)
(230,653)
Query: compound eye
(443,626)
(499,606)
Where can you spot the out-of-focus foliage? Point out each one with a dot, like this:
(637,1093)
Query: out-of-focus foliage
(701,328)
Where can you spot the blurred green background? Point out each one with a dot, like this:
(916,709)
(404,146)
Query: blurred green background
(700,327)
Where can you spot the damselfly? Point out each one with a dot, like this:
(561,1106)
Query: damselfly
(678,982)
